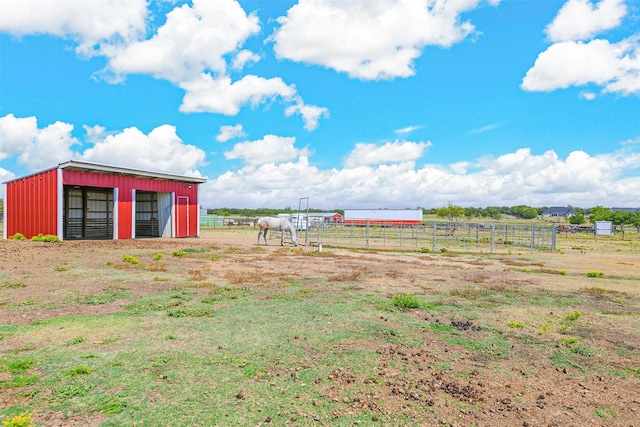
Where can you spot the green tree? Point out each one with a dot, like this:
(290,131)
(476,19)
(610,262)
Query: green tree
(600,214)
(452,212)
(524,211)
(492,212)
(621,217)
(577,219)
(634,219)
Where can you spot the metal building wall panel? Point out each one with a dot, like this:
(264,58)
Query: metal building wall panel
(32,204)
(126,184)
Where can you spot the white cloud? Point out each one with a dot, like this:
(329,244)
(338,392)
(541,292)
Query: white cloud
(226,97)
(113,21)
(5,176)
(631,141)
(191,49)
(310,114)
(514,178)
(243,58)
(588,96)
(575,60)
(370,40)
(406,130)
(486,128)
(582,19)
(391,152)
(36,148)
(230,132)
(15,134)
(95,133)
(270,149)
(615,66)
(160,150)
(193,39)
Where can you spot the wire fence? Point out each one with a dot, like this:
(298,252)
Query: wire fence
(435,236)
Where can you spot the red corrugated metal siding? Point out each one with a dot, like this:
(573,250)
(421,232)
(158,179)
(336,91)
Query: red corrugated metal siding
(126,184)
(32,205)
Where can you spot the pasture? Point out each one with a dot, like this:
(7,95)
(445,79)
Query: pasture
(220,331)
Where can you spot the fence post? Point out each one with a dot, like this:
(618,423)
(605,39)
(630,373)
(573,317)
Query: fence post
(435,233)
(533,238)
(493,236)
(553,238)
(367,234)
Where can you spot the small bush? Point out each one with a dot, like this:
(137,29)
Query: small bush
(544,328)
(49,238)
(606,413)
(406,301)
(78,370)
(130,259)
(570,340)
(25,419)
(12,285)
(573,315)
(75,341)
(21,366)
(157,257)
(112,405)
(515,325)
(191,312)
(595,273)
(179,253)
(18,236)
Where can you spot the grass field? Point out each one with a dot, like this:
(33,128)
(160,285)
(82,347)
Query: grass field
(219,331)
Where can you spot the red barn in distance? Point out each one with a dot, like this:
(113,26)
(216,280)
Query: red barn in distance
(83,200)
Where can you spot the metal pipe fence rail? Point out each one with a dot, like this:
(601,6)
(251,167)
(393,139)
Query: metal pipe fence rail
(436,236)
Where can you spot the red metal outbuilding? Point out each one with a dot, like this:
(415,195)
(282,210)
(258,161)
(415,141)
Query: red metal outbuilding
(83,200)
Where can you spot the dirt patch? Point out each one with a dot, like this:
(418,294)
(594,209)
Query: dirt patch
(457,384)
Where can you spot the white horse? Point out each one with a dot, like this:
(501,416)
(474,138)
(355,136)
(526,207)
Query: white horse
(278,224)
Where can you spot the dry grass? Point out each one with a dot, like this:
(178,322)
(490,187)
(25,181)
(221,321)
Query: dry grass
(514,263)
(156,266)
(479,278)
(470,292)
(240,277)
(345,277)
(196,276)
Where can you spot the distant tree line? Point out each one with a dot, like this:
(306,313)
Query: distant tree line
(616,217)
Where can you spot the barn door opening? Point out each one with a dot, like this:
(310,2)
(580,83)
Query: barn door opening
(165,214)
(182,216)
(147,218)
(87,213)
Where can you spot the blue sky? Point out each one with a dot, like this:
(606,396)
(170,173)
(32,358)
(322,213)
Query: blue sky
(352,104)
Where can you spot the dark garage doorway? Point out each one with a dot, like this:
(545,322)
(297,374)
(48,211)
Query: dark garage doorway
(147,214)
(87,213)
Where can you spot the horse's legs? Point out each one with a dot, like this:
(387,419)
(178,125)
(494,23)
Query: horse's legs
(282,238)
(263,231)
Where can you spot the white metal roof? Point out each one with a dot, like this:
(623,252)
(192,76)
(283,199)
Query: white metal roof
(79,165)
